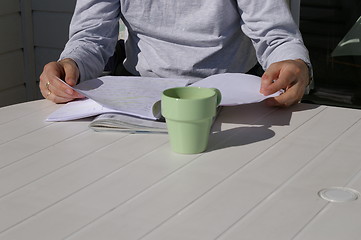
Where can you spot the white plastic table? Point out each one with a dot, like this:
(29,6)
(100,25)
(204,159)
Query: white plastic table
(261,178)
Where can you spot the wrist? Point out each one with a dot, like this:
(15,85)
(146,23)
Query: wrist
(310,83)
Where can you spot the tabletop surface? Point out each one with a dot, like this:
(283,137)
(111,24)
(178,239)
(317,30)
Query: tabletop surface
(260,178)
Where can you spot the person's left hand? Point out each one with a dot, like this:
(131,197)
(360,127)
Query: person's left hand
(290,75)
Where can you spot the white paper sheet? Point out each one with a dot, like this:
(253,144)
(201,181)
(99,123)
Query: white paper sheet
(133,95)
(137,95)
(236,88)
(77,109)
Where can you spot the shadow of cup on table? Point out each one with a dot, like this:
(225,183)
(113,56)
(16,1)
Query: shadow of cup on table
(189,113)
(239,136)
(257,120)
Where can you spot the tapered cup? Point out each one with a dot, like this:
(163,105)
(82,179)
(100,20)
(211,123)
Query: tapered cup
(189,114)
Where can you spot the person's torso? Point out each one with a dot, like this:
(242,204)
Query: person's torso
(185,38)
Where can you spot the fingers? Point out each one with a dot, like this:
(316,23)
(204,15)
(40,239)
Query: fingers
(277,77)
(291,76)
(51,85)
(53,95)
(268,79)
(71,76)
(60,92)
(286,99)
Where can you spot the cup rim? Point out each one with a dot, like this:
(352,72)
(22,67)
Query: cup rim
(166,93)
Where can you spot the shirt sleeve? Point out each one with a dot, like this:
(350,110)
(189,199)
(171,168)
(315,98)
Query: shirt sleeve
(274,34)
(93,35)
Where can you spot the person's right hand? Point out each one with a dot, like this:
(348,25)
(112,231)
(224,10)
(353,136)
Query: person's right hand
(50,83)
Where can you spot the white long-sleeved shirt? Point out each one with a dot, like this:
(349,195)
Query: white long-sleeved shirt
(187,39)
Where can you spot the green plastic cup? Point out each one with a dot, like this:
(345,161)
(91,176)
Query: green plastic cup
(189,114)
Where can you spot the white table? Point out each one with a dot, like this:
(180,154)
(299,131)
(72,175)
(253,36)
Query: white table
(259,179)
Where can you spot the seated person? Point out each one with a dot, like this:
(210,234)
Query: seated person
(184,39)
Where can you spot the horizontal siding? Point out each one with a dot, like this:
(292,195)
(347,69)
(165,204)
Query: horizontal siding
(10,26)
(323,25)
(9,6)
(322,14)
(12,69)
(38,93)
(54,5)
(324,43)
(51,29)
(51,21)
(12,87)
(322,28)
(322,3)
(12,96)
(45,55)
